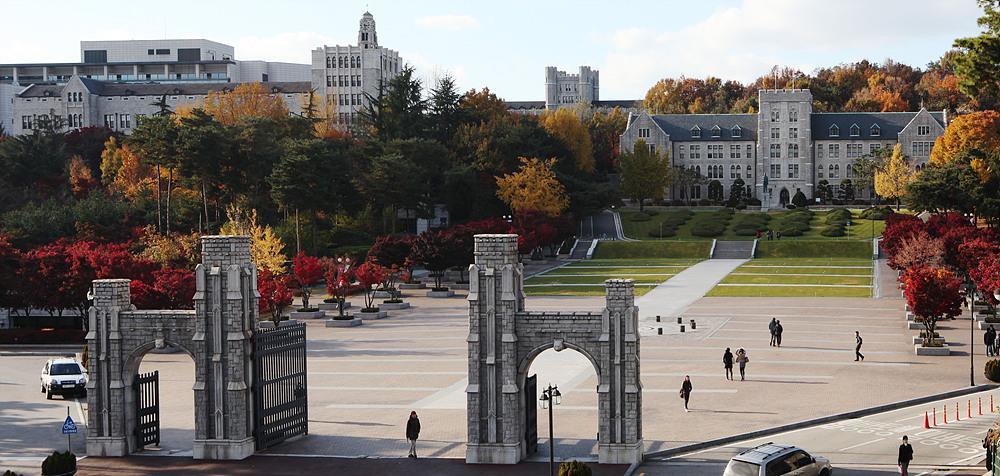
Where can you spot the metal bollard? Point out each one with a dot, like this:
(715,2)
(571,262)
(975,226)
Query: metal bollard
(693,325)
(657,318)
(682,327)
(659,331)
(680,320)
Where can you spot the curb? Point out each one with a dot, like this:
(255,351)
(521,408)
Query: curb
(812,422)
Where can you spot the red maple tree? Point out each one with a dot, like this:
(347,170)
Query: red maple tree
(275,293)
(933,294)
(306,271)
(370,275)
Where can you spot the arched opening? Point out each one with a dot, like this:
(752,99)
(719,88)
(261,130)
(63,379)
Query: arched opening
(176,399)
(783,197)
(575,420)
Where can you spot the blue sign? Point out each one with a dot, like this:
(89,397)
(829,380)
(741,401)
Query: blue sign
(68,426)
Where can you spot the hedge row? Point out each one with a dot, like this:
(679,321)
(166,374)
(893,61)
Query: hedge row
(861,249)
(671,221)
(793,223)
(652,249)
(748,224)
(712,224)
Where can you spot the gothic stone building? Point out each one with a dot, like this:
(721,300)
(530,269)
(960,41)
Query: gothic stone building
(786,144)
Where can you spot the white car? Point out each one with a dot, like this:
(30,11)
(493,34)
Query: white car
(64,377)
(772,459)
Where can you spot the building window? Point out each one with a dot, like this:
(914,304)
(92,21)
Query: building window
(681,148)
(834,151)
(652,148)
(775,114)
(923,130)
(854,150)
(695,151)
(26,122)
(737,131)
(126,121)
(776,170)
(834,131)
(749,151)
(819,151)
(163,51)
(793,170)
(734,151)
(849,169)
(793,132)
(643,132)
(109,121)
(329,81)
(775,133)
(793,114)
(875,130)
(819,170)
(716,132)
(921,148)
(872,148)
(696,132)
(793,151)
(715,151)
(775,151)
(855,130)
(149,52)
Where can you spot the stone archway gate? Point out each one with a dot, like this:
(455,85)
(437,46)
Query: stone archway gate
(504,338)
(218,335)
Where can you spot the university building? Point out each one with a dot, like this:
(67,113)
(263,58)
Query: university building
(116,82)
(786,145)
(563,89)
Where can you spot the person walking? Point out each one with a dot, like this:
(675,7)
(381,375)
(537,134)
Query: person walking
(742,359)
(778,329)
(857,350)
(770,234)
(778,234)
(996,342)
(412,433)
(686,388)
(771,327)
(727,362)
(905,456)
(989,339)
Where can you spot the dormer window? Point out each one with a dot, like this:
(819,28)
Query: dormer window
(834,131)
(875,130)
(737,131)
(696,132)
(716,132)
(855,130)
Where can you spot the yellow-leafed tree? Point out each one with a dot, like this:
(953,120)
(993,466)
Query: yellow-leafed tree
(892,179)
(567,127)
(266,248)
(124,172)
(81,178)
(248,100)
(980,130)
(534,187)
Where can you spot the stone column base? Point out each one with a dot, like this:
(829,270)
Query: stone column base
(224,449)
(495,453)
(107,446)
(620,453)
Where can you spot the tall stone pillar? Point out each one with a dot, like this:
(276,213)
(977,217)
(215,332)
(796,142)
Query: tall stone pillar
(106,429)
(620,391)
(493,394)
(225,312)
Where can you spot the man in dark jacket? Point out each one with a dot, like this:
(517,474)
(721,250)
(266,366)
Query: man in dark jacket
(777,333)
(989,338)
(905,456)
(412,433)
(727,362)
(770,327)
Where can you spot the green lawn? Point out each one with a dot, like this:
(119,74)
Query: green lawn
(818,262)
(684,262)
(791,248)
(823,275)
(596,280)
(583,270)
(789,291)
(653,249)
(741,278)
(578,290)
(647,274)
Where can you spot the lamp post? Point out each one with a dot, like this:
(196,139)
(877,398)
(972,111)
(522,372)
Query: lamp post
(970,293)
(550,398)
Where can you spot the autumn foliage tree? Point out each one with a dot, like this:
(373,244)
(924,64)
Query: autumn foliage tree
(932,293)
(565,125)
(275,293)
(978,130)
(533,187)
(645,173)
(918,250)
(266,248)
(306,271)
(435,251)
(81,177)
(169,289)
(891,181)
(369,275)
(245,101)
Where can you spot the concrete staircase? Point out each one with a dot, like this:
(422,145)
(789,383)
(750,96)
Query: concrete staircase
(733,250)
(581,248)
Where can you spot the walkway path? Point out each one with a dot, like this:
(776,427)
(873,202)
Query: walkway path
(673,297)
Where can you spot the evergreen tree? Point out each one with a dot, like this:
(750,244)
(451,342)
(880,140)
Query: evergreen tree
(445,115)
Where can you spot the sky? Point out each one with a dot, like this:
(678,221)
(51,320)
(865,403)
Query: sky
(506,44)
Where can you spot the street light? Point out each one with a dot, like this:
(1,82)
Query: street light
(970,292)
(550,398)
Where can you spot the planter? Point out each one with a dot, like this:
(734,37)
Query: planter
(458,285)
(909,316)
(332,306)
(906,307)
(317,314)
(936,351)
(411,285)
(269,324)
(983,325)
(982,316)
(369,315)
(353,322)
(915,326)
(920,340)
(393,306)
(382,294)
(440,294)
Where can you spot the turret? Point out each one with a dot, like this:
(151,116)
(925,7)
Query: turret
(367,37)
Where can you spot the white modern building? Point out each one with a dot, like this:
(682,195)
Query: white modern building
(783,149)
(344,75)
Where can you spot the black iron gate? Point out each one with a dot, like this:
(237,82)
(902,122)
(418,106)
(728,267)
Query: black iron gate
(280,403)
(146,388)
(531,414)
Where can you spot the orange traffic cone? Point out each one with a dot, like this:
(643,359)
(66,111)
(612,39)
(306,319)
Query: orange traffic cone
(927,421)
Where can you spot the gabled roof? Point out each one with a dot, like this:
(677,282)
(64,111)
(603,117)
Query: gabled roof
(103,88)
(679,126)
(889,123)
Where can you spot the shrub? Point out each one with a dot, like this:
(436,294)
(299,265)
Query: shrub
(667,232)
(652,212)
(705,202)
(840,214)
(992,370)
(574,468)
(790,206)
(741,206)
(876,213)
(640,216)
(708,230)
(833,230)
(653,249)
(59,463)
(800,200)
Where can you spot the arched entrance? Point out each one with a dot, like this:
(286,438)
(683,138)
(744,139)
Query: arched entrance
(504,338)
(171,419)
(783,197)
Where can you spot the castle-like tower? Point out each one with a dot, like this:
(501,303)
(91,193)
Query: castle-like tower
(563,89)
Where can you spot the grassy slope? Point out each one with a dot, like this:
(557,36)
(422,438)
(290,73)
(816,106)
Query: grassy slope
(788,248)
(789,291)
(653,249)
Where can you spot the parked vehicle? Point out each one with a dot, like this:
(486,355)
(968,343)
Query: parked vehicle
(772,459)
(64,377)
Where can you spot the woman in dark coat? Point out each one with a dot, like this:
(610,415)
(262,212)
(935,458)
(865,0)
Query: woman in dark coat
(412,433)
(686,391)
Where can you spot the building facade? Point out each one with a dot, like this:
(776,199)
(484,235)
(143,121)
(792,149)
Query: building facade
(571,90)
(345,76)
(783,149)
